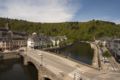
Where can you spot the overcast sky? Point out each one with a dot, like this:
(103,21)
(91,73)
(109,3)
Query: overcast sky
(61,10)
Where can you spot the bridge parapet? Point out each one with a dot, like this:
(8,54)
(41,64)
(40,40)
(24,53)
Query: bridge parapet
(55,67)
(44,71)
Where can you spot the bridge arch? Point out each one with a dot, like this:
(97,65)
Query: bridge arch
(46,78)
(44,73)
(33,69)
(30,63)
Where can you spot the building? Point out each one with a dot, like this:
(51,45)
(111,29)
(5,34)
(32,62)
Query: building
(38,41)
(42,41)
(57,40)
(10,40)
(114,45)
(33,41)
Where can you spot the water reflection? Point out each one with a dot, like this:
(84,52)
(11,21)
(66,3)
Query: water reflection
(15,70)
(79,51)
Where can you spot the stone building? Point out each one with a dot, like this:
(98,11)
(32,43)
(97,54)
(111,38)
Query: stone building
(10,40)
(38,41)
(43,41)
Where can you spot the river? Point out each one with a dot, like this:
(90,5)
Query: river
(79,51)
(14,69)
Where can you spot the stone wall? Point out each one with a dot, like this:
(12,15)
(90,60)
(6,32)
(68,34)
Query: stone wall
(4,56)
(95,56)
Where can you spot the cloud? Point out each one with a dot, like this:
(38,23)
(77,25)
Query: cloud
(39,10)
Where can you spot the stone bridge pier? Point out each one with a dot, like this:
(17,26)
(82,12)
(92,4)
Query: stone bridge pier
(43,72)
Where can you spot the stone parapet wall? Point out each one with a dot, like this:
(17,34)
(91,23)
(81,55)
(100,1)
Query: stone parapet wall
(95,56)
(4,56)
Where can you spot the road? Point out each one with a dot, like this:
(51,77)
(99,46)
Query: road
(62,65)
(54,61)
(108,63)
(114,64)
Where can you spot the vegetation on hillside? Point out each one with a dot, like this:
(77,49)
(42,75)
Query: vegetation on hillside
(73,30)
(106,54)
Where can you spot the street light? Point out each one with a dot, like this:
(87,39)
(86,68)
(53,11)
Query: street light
(41,58)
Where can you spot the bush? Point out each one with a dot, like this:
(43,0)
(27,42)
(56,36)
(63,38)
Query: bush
(106,54)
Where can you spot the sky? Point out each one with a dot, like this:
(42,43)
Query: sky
(61,10)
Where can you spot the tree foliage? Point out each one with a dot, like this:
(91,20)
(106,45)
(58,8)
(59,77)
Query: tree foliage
(106,54)
(73,30)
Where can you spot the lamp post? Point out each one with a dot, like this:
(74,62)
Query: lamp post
(40,77)
(41,58)
(26,49)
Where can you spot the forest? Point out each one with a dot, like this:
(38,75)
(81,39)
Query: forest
(75,31)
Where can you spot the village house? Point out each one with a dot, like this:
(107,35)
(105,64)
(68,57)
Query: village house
(42,41)
(38,41)
(10,40)
(56,41)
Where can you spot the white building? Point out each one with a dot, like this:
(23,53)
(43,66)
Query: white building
(38,41)
(30,43)
(101,42)
(33,41)
(56,41)
(42,41)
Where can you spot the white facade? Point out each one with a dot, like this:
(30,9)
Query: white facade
(57,40)
(30,43)
(102,42)
(53,42)
(41,41)
(58,43)
(38,41)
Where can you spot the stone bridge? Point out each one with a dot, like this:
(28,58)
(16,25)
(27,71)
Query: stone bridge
(44,73)
(53,67)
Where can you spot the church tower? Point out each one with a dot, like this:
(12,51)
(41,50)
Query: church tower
(7,26)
